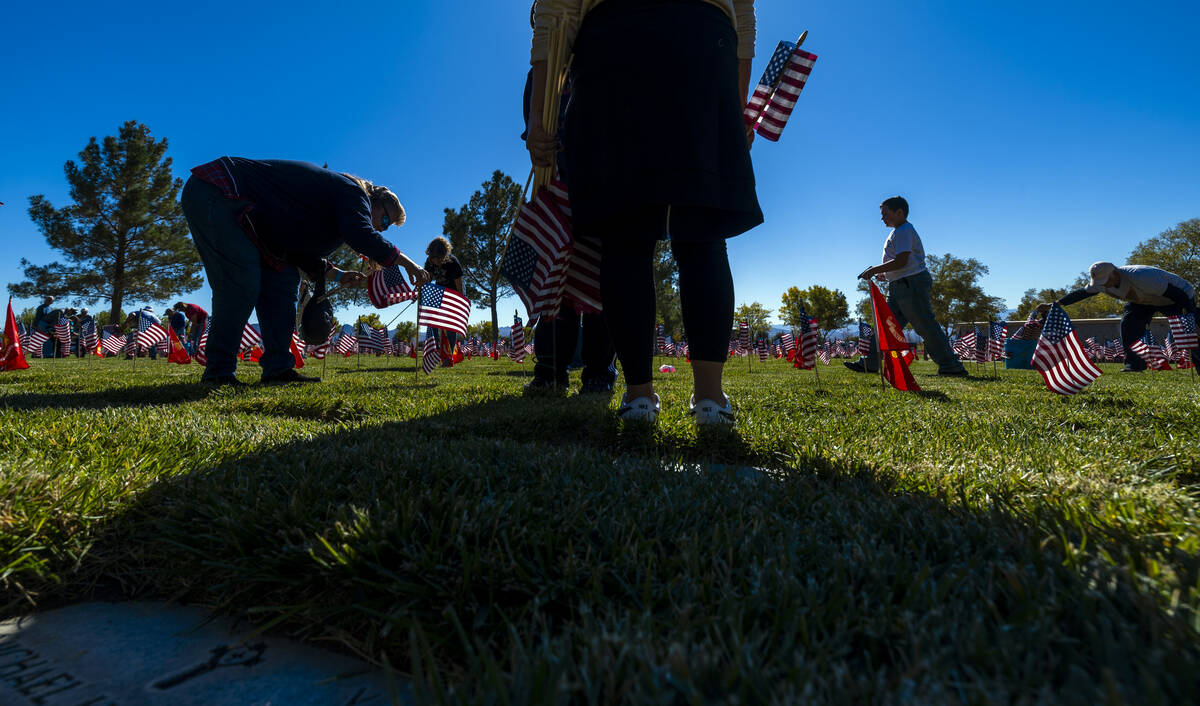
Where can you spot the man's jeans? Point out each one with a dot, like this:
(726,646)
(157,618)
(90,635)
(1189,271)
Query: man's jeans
(556,340)
(910,299)
(240,283)
(1134,322)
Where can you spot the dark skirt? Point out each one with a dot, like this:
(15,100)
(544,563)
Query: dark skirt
(655,119)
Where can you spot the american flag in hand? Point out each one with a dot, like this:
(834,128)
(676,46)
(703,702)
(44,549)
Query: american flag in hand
(149,331)
(388,286)
(1030,330)
(539,248)
(778,90)
(1059,357)
(1183,328)
(431,357)
(443,308)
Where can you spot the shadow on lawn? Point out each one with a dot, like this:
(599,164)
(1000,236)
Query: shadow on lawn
(531,529)
(173,393)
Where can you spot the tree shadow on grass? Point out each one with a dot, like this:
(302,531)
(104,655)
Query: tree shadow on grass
(172,393)
(539,533)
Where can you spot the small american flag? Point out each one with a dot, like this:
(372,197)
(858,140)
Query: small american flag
(1172,352)
(762,350)
(778,90)
(62,331)
(430,356)
(149,331)
(865,334)
(369,339)
(250,338)
(1148,350)
(443,308)
(787,342)
(743,335)
(966,346)
(661,340)
(808,342)
(825,355)
(997,333)
(35,344)
(387,286)
(1183,328)
(87,333)
(518,340)
(346,344)
(201,354)
(1059,357)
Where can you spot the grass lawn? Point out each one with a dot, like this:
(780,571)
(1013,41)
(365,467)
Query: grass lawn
(984,541)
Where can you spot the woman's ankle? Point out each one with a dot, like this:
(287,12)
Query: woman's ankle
(632,392)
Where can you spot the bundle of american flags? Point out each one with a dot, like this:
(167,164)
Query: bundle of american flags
(545,263)
(1059,357)
(775,95)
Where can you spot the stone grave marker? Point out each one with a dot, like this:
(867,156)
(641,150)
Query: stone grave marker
(110,654)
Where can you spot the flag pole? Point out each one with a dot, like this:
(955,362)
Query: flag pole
(418,341)
(358,337)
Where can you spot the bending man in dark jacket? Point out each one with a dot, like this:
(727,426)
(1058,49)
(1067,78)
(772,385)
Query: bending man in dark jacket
(257,224)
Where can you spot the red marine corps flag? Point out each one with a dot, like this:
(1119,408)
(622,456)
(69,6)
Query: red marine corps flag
(892,344)
(176,352)
(11,356)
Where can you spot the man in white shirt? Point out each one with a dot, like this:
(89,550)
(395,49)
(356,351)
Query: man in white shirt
(1146,291)
(909,293)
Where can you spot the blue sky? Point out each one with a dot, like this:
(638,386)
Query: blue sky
(1036,137)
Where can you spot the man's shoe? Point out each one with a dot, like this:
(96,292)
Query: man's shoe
(640,409)
(223,381)
(287,377)
(857,366)
(960,373)
(1131,369)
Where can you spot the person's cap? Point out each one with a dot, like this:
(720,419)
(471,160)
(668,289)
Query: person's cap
(83,310)
(1099,273)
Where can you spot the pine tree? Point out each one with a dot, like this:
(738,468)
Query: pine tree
(125,236)
(476,232)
